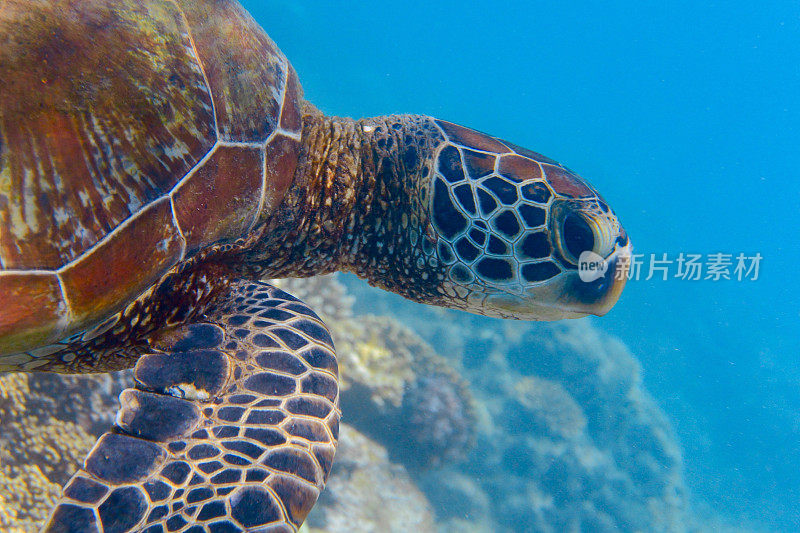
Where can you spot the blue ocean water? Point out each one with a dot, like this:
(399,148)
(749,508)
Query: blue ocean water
(685,116)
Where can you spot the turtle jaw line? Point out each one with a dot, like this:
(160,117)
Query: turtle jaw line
(529,307)
(566,295)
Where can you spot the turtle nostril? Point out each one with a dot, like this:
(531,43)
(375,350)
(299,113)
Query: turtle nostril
(622,238)
(578,235)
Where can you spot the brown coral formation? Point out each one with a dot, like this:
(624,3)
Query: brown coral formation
(27,497)
(366,492)
(546,407)
(38,452)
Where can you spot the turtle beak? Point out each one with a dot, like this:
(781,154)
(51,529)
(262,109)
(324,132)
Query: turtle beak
(600,295)
(570,296)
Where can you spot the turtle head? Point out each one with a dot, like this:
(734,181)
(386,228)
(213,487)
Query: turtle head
(518,235)
(449,216)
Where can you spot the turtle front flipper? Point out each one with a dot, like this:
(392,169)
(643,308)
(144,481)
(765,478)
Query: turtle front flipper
(233,427)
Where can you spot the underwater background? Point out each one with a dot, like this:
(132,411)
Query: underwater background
(678,411)
(685,115)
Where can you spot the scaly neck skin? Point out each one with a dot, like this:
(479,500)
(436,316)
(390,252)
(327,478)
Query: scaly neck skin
(356,204)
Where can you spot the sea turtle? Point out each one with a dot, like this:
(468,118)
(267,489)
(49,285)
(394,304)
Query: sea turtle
(157,160)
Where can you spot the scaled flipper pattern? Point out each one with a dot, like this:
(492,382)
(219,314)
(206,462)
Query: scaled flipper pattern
(232,428)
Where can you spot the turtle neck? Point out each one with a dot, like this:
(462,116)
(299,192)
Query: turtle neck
(357,202)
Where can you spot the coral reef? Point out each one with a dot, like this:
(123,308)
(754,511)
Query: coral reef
(540,406)
(27,497)
(397,390)
(438,421)
(575,443)
(368,493)
(38,452)
(459,500)
(14,391)
(568,438)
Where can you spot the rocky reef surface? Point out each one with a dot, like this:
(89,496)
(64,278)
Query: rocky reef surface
(485,425)
(567,438)
(368,493)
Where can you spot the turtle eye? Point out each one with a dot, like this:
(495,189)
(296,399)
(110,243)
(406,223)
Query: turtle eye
(577,236)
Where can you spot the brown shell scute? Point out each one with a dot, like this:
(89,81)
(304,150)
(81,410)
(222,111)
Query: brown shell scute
(245,70)
(566,183)
(103,110)
(124,265)
(231,172)
(468,137)
(33,309)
